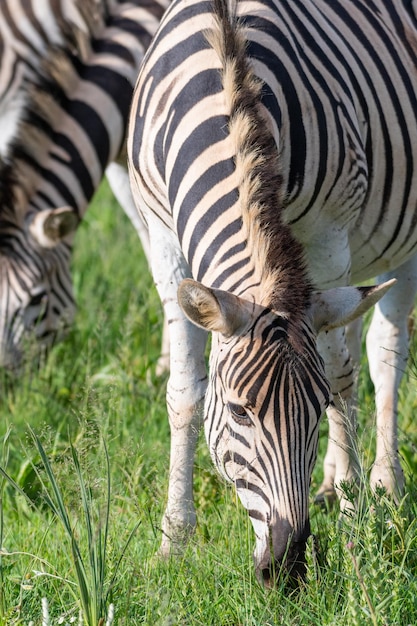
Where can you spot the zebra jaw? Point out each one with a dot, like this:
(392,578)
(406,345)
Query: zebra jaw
(49,226)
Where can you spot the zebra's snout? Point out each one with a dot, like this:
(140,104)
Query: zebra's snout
(285,559)
(292,568)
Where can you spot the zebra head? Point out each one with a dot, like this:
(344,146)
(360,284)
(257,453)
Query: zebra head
(36,303)
(267,391)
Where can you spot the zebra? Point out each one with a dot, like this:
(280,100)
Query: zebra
(271,152)
(67,74)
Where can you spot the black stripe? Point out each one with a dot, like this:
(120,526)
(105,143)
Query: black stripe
(217,171)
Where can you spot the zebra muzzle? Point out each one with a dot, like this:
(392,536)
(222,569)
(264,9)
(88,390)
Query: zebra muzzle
(284,560)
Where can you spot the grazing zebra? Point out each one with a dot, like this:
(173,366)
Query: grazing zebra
(271,149)
(67,72)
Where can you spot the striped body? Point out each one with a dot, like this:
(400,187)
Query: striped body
(67,73)
(333,79)
(272,156)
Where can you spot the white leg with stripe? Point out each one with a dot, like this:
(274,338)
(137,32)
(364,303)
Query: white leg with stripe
(118,178)
(353,334)
(185,391)
(387,346)
(341,462)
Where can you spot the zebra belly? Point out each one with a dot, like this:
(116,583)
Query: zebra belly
(377,253)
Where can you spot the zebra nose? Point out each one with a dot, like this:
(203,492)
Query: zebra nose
(286,559)
(291,569)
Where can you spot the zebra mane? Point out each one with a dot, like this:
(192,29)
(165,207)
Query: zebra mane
(278,255)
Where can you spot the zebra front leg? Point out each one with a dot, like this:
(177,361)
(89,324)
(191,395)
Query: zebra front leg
(162,364)
(341,465)
(185,397)
(118,178)
(387,347)
(185,390)
(327,491)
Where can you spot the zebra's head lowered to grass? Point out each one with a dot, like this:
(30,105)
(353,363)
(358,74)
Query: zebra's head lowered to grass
(267,391)
(45,180)
(41,175)
(35,252)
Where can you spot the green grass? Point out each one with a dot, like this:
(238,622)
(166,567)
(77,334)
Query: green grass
(98,414)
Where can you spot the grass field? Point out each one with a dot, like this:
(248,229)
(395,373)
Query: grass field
(96,410)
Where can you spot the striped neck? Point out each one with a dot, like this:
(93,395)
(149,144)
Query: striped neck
(274,271)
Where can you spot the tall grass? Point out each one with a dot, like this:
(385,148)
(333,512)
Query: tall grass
(96,410)
(93,589)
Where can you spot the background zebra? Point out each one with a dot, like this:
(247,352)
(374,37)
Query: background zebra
(273,154)
(67,72)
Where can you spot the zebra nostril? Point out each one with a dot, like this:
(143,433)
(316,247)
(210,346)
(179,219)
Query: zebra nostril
(298,571)
(291,574)
(267,577)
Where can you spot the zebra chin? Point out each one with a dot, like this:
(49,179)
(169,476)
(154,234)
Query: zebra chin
(283,558)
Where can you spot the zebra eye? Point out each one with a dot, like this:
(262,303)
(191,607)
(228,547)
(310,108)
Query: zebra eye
(239,414)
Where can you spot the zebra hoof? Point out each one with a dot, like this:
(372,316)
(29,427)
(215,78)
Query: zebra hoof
(388,479)
(176,534)
(326,497)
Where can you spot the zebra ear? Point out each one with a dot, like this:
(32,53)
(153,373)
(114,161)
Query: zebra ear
(213,309)
(50,226)
(337,307)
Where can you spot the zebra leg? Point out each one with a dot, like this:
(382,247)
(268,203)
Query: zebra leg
(118,178)
(341,463)
(327,491)
(387,347)
(185,390)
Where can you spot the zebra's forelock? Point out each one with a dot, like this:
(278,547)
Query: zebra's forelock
(258,171)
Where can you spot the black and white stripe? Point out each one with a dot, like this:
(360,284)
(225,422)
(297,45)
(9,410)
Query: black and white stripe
(67,72)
